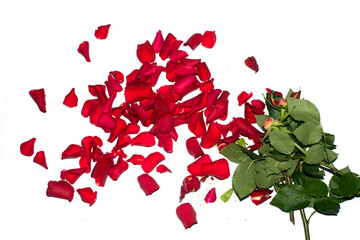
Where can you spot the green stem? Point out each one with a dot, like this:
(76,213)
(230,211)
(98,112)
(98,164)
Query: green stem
(330,166)
(300,149)
(291,213)
(305,224)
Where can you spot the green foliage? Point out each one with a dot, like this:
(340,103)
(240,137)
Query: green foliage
(244,179)
(303,110)
(281,141)
(291,198)
(309,133)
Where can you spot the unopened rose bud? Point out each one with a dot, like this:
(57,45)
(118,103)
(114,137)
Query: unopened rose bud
(282,102)
(267,123)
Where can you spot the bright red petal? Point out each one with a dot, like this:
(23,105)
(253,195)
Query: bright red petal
(101,169)
(158,42)
(209,39)
(72,151)
(194,41)
(148,184)
(102,31)
(210,196)
(118,169)
(72,175)
(162,169)
(193,147)
(252,64)
(40,159)
(211,137)
(151,161)
(195,168)
(27,148)
(84,50)
(87,195)
(260,195)
(204,72)
(38,95)
(144,139)
(60,189)
(186,214)
(136,159)
(71,100)
(145,52)
(219,169)
(243,97)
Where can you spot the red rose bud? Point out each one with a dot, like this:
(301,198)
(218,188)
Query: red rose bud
(260,195)
(283,102)
(186,214)
(267,123)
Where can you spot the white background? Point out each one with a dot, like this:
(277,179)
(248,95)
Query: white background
(312,45)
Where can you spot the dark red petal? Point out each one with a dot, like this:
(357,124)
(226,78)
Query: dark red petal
(194,41)
(140,113)
(190,184)
(145,52)
(185,85)
(40,159)
(87,195)
(167,46)
(243,97)
(296,94)
(102,31)
(260,195)
(101,169)
(144,139)
(203,70)
(195,168)
(196,124)
(186,214)
(60,189)
(27,148)
(72,175)
(118,169)
(165,124)
(151,161)
(162,169)
(84,50)
(38,95)
(193,147)
(207,86)
(209,39)
(71,100)
(211,137)
(218,169)
(258,107)
(249,114)
(107,122)
(148,184)
(165,141)
(136,159)
(210,196)
(158,42)
(72,151)
(252,64)
(246,129)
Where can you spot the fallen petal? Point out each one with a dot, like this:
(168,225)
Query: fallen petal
(219,169)
(148,184)
(243,97)
(210,196)
(119,168)
(136,159)
(60,189)
(38,95)
(190,184)
(204,72)
(193,147)
(40,159)
(87,195)
(102,31)
(145,52)
(72,151)
(252,64)
(162,169)
(195,168)
(260,195)
(194,41)
(144,139)
(186,214)
(158,42)
(72,175)
(211,137)
(27,148)
(209,39)
(71,100)
(84,50)
(151,161)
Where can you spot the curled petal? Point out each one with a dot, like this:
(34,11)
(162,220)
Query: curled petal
(151,161)
(72,175)
(260,195)
(190,184)
(38,95)
(196,124)
(137,92)
(117,76)
(162,169)
(244,97)
(210,196)
(144,139)
(145,52)
(186,214)
(107,122)
(195,168)
(185,85)
(219,169)
(118,169)
(101,169)
(132,128)
(72,151)
(60,189)
(252,64)
(211,137)
(246,129)
(87,195)
(83,49)
(165,124)
(203,70)
(89,107)
(148,184)
(158,42)
(71,100)
(209,39)
(193,147)
(27,148)
(40,159)
(165,141)
(102,31)
(194,41)
(136,159)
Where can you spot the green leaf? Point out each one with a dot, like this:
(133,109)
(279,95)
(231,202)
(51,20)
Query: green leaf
(331,156)
(313,171)
(241,142)
(291,198)
(281,141)
(264,149)
(226,195)
(234,153)
(244,179)
(299,178)
(349,184)
(260,120)
(273,112)
(327,206)
(315,154)
(262,179)
(303,110)
(334,185)
(309,133)
(273,166)
(315,187)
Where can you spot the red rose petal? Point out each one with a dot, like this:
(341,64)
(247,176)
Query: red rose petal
(60,189)
(119,168)
(162,169)
(40,159)
(138,92)
(260,195)
(84,50)
(211,137)
(204,72)
(252,64)
(186,214)
(72,175)
(243,97)
(185,85)
(107,122)
(194,41)
(151,161)
(196,124)
(87,195)
(27,148)
(165,141)
(71,100)
(190,184)
(246,129)
(158,42)
(210,196)
(38,95)
(193,147)
(209,39)
(101,169)
(102,31)
(195,168)
(148,184)
(219,169)
(144,139)
(72,151)
(136,159)
(145,52)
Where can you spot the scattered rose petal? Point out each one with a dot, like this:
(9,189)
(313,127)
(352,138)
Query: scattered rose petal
(72,175)
(27,148)
(211,137)
(40,159)
(38,95)
(210,196)
(151,161)
(60,189)
(186,214)
(101,170)
(260,195)
(136,159)
(144,139)
(195,167)
(193,147)
(158,42)
(244,97)
(102,31)
(190,184)
(87,195)
(72,151)
(252,64)
(148,184)
(204,72)
(145,52)
(218,169)
(71,100)
(162,169)
(194,41)
(119,168)
(209,39)
(84,50)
